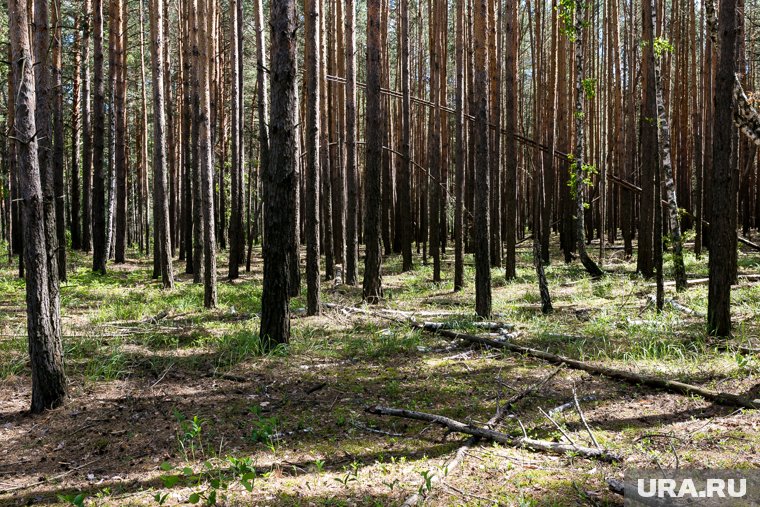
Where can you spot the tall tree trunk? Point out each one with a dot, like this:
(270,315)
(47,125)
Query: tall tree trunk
(58,140)
(76,136)
(434,143)
(189,156)
(43,319)
(512,30)
(459,154)
(86,129)
(404,174)
(721,183)
(375,123)
(579,166)
(160,197)
(198,271)
(482,166)
(352,172)
(647,145)
(44,103)
(206,152)
(312,74)
(280,175)
(667,171)
(118,25)
(99,253)
(495,131)
(236,170)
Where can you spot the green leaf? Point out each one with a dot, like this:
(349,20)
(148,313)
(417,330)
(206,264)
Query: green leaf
(166,466)
(194,498)
(169,480)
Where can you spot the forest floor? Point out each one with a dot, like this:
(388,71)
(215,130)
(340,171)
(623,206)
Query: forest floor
(171,404)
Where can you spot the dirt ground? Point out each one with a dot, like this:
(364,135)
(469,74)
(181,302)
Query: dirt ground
(170,404)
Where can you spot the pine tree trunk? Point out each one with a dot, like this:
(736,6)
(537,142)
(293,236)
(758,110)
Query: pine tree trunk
(482,166)
(280,176)
(118,24)
(375,124)
(43,115)
(160,197)
(99,253)
(76,136)
(647,146)
(198,269)
(87,133)
(434,144)
(459,151)
(58,141)
(206,152)
(352,173)
(512,29)
(721,184)
(43,320)
(236,170)
(312,74)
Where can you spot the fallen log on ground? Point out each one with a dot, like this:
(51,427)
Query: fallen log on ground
(501,412)
(622,375)
(631,493)
(702,281)
(747,242)
(496,436)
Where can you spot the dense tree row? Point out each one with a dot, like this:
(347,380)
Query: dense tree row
(185,127)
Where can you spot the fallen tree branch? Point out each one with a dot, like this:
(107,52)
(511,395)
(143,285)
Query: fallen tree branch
(472,441)
(678,306)
(622,375)
(496,436)
(747,242)
(702,281)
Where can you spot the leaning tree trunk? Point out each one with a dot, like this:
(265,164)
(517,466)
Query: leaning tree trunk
(45,350)
(160,198)
(279,175)
(375,123)
(579,167)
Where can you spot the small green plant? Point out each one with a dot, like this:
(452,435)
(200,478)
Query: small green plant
(350,476)
(427,485)
(189,435)
(263,429)
(76,499)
